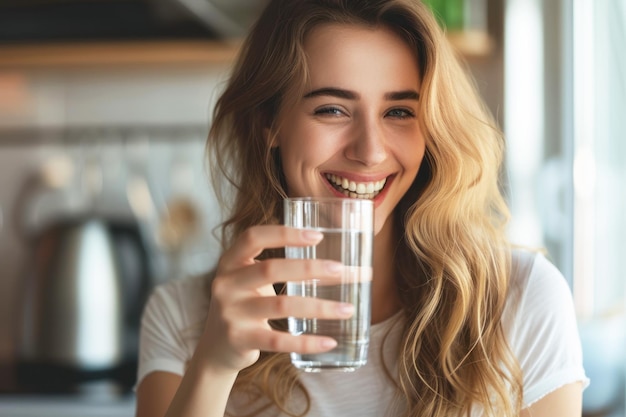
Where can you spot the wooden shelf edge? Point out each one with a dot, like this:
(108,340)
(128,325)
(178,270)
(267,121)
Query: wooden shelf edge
(472,43)
(467,43)
(117,53)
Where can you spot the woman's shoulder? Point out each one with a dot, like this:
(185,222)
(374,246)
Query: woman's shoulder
(538,294)
(170,325)
(541,326)
(532,274)
(539,298)
(185,299)
(189,287)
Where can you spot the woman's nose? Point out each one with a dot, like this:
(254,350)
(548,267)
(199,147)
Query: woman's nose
(368,144)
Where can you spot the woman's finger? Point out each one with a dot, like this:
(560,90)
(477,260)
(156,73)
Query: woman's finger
(270,271)
(258,238)
(264,273)
(281,306)
(277,341)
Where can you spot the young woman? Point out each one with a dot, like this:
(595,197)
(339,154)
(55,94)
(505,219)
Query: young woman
(463,325)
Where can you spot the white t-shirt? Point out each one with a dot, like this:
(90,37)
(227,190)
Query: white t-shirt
(539,322)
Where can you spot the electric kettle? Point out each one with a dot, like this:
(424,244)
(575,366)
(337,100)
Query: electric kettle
(85,280)
(71,326)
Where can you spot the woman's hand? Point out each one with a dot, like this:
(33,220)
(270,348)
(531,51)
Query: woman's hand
(243,299)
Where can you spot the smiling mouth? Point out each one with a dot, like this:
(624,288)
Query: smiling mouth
(352,189)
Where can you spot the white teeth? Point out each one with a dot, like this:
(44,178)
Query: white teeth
(356,190)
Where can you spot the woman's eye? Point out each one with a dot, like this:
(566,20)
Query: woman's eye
(400,113)
(330,111)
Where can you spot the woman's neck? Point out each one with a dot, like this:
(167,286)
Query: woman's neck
(385,300)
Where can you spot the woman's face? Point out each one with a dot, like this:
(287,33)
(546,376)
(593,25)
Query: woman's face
(354,133)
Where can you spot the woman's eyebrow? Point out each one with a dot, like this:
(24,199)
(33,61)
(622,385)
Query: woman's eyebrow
(333,92)
(403,95)
(351,95)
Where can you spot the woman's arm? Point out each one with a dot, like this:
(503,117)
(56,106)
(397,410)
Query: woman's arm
(155,393)
(202,391)
(563,402)
(199,393)
(237,329)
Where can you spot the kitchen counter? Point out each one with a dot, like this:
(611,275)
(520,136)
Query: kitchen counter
(93,399)
(65,406)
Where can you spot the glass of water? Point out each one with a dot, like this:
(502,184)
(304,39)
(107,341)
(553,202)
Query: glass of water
(348,228)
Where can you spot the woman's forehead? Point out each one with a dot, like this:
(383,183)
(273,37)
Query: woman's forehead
(354,55)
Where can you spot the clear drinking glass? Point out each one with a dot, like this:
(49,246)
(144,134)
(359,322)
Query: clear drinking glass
(348,229)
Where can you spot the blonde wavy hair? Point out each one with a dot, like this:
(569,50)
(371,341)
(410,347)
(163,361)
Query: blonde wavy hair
(453,257)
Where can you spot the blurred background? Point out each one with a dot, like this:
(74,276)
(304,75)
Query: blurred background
(104,110)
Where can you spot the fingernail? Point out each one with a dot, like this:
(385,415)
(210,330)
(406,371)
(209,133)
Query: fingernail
(333,267)
(328,343)
(312,235)
(345,309)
